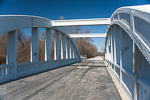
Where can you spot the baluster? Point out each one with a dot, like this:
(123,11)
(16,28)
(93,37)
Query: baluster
(25,67)
(8,70)
(19,68)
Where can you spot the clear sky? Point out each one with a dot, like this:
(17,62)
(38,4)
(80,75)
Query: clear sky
(70,9)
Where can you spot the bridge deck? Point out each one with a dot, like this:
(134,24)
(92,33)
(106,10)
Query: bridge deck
(88,80)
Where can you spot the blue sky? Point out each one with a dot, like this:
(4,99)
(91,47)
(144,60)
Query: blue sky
(70,9)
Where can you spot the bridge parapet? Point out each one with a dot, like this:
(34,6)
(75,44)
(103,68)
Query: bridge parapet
(127,50)
(13,70)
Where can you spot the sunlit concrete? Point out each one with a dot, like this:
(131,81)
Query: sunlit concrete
(88,35)
(81,22)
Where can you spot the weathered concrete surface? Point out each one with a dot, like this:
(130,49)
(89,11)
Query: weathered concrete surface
(88,80)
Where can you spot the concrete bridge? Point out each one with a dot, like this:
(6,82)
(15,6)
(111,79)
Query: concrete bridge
(127,55)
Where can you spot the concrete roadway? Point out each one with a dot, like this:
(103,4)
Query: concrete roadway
(88,80)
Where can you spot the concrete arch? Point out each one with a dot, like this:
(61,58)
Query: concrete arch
(132,15)
(14,22)
(134,23)
(13,70)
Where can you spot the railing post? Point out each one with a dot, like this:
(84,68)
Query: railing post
(12,50)
(56,46)
(68,48)
(63,46)
(35,46)
(48,37)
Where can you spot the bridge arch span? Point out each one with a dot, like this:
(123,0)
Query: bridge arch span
(128,39)
(13,70)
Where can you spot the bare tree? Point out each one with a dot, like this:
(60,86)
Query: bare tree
(3,48)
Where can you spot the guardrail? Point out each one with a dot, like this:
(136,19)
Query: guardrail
(30,68)
(6,72)
(125,78)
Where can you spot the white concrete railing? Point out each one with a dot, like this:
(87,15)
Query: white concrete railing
(81,22)
(94,35)
(6,72)
(128,31)
(13,70)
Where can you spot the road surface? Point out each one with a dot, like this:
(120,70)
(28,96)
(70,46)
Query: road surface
(88,80)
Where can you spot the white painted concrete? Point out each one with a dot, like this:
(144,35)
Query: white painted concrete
(71,50)
(13,70)
(12,47)
(68,48)
(34,45)
(12,52)
(48,40)
(81,22)
(56,45)
(63,46)
(131,19)
(88,35)
(14,22)
(134,26)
